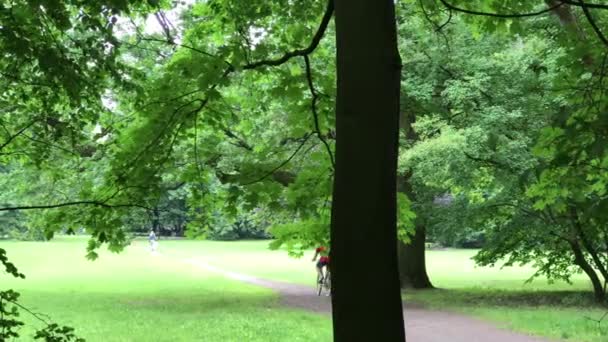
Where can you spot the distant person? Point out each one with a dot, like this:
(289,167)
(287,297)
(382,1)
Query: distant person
(152,239)
(322,263)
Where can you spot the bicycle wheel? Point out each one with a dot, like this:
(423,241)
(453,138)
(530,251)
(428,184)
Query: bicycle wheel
(320,283)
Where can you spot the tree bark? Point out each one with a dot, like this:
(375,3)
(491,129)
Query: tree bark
(412,261)
(412,256)
(156,220)
(587,244)
(366,295)
(579,259)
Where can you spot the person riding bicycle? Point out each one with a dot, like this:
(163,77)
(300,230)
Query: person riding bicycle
(322,263)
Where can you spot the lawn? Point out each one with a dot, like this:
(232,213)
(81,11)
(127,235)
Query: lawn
(134,296)
(560,310)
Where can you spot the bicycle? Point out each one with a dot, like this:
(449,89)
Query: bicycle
(324,283)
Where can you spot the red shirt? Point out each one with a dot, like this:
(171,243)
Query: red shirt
(323,258)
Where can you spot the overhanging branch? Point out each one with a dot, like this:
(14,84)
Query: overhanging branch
(71,204)
(329,11)
(285,162)
(13,136)
(501,15)
(313,105)
(589,5)
(592,22)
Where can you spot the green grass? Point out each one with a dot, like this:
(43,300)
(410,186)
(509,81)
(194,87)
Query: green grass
(447,268)
(559,310)
(137,297)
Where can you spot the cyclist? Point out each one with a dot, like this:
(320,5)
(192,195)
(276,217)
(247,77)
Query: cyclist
(322,263)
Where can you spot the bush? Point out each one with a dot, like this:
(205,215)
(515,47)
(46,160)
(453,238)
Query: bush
(471,240)
(242,228)
(219,227)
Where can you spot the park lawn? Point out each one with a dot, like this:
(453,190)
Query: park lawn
(451,268)
(134,296)
(560,311)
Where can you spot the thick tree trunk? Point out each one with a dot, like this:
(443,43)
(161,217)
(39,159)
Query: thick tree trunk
(412,261)
(412,257)
(366,296)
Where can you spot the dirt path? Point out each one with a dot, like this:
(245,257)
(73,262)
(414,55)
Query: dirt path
(422,325)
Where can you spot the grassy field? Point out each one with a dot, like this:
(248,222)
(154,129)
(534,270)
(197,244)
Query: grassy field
(135,297)
(447,268)
(560,311)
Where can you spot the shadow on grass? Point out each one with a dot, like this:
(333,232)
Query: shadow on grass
(201,303)
(477,297)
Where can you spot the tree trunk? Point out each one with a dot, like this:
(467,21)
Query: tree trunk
(579,259)
(412,257)
(412,261)
(366,296)
(156,220)
(593,252)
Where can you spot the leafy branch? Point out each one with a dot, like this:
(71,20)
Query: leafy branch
(75,203)
(329,11)
(15,135)
(580,3)
(501,15)
(285,162)
(313,105)
(598,31)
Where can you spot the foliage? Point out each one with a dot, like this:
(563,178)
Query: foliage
(225,229)
(56,333)
(485,140)
(298,237)
(9,223)
(8,315)
(405,218)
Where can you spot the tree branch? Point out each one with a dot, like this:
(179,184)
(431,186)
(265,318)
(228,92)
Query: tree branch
(329,11)
(313,105)
(592,22)
(500,15)
(589,5)
(240,142)
(13,136)
(285,162)
(71,204)
(188,47)
(488,161)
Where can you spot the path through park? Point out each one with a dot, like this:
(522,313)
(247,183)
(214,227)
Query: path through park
(422,325)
